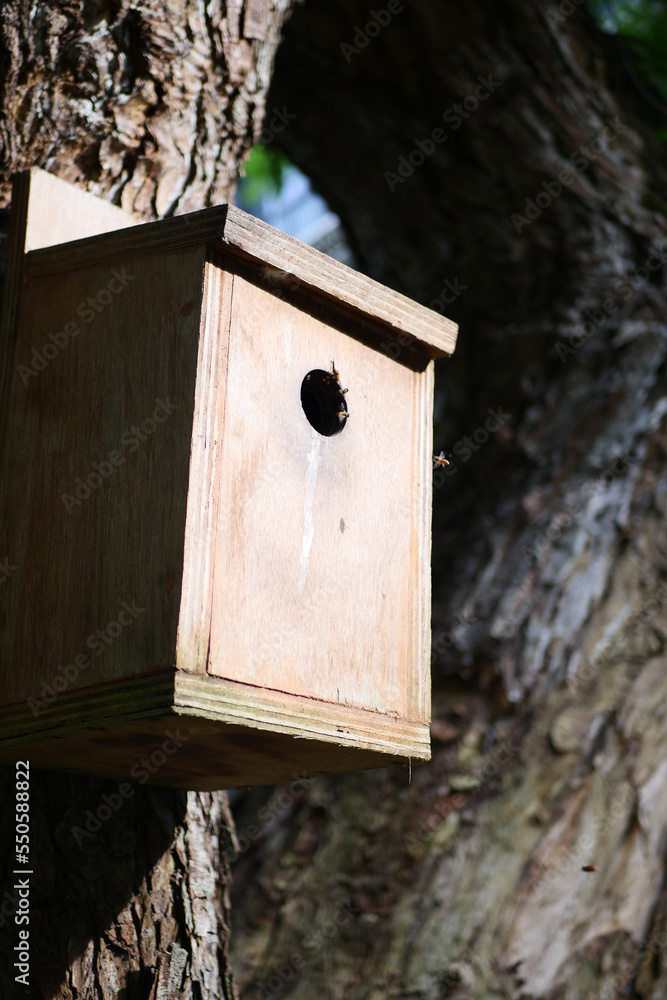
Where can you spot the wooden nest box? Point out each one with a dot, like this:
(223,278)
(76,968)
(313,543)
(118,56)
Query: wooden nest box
(213,560)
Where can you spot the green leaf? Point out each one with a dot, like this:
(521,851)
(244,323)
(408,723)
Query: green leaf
(263,173)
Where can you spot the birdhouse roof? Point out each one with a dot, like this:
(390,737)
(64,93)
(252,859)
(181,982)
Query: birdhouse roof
(250,242)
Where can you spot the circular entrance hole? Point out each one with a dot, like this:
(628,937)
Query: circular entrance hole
(323,402)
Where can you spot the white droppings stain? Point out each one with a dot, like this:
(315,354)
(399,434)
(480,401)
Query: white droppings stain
(308,503)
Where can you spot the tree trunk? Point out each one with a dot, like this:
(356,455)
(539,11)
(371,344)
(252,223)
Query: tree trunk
(527,859)
(154,107)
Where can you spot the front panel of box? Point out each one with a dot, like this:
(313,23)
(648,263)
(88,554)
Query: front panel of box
(318,565)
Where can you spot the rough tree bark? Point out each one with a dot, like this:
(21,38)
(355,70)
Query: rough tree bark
(527,859)
(152,105)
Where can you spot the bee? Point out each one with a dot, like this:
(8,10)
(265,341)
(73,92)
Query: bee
(440,460)
(589,868)
(343,413)
(334,376)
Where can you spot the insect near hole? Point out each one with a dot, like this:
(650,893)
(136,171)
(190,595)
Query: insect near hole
(323,401)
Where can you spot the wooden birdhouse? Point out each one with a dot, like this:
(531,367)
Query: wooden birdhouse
(215,500)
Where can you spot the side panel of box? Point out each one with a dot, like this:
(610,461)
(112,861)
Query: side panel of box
(94,473)
(420,679)
(194,627)
(321,554)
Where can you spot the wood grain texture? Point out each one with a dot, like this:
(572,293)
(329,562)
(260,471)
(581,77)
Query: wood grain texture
(98,705)
(98,444)
(194,627)
(166,235)
(549,565)
(45,211)
(12,283)
(306,268)
(220,701)
(59,212)
(319,539)
(435,333)
(303,717)
(230,734)
(419,670)
(211,758)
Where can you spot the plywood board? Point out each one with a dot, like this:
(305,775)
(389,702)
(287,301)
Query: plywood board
(59,212)
(45,211)
(435,333)
(206,757)
(310,272)
(194,626)
(320,540)
(95,455)
(229,734)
